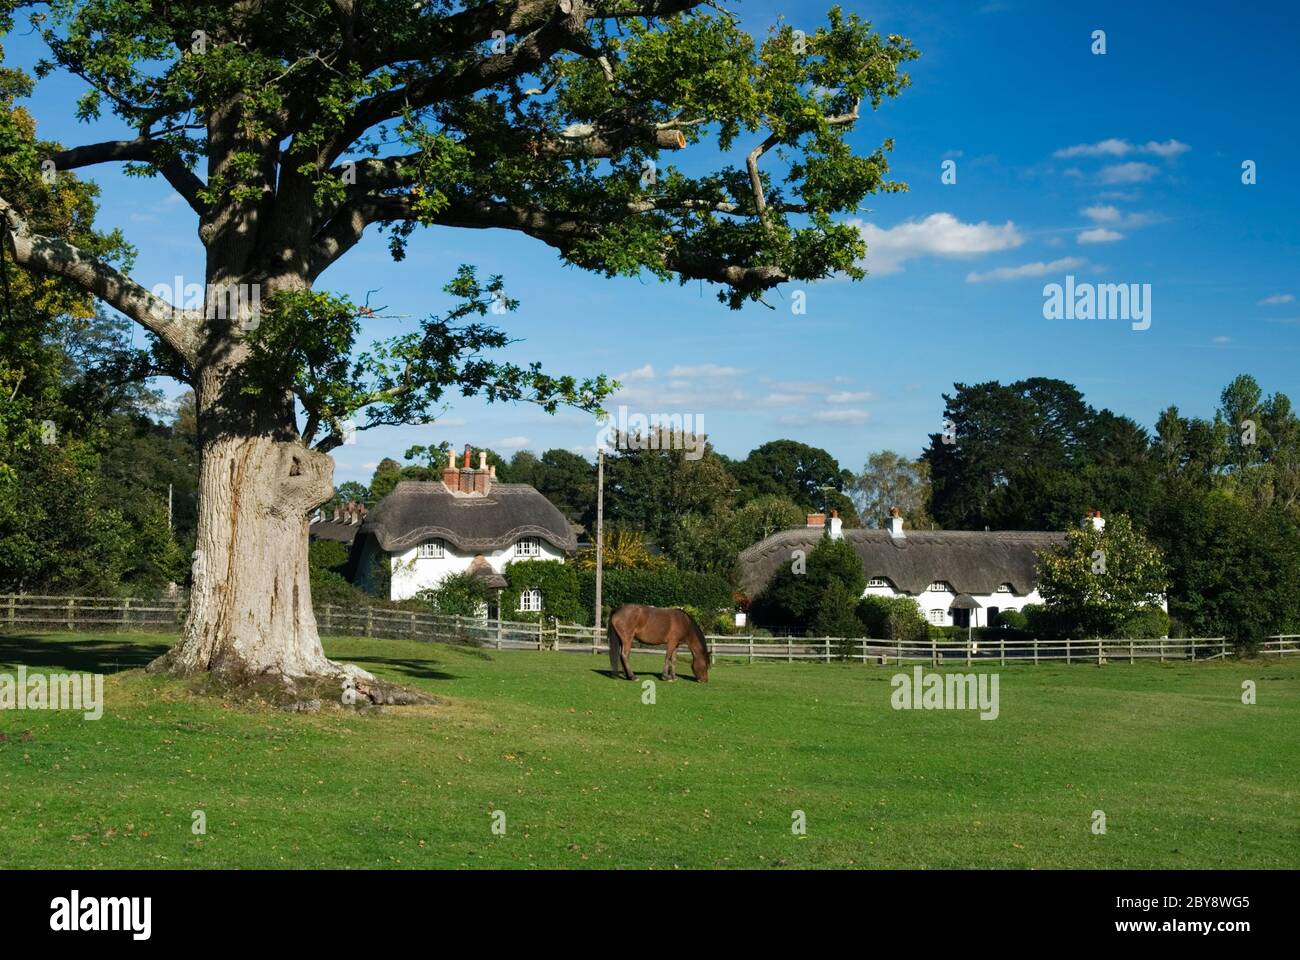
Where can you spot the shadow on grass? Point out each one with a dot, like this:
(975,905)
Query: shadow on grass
(643,675)
(420,669)
(82,655)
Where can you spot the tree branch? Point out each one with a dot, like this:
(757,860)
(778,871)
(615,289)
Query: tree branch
(142,149)
(179,329)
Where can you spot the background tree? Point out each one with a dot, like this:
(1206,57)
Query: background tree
(807,475)
(1101,578)
(290,126)
(890,480)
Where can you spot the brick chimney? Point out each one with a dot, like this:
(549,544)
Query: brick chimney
(450,475)
(817,520)
(834,528)
(466,479)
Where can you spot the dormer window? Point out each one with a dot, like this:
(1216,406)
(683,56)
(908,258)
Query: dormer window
(433,550)
(941,586)
(879,582)
(528,547)
(1005,588)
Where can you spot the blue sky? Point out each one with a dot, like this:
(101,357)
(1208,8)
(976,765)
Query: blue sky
(1119,168)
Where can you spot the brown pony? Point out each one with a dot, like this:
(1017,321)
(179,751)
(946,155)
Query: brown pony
(657,627)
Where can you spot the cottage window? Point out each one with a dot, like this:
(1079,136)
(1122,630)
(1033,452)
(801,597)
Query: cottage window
(940,586)
(937,616)
(879,582)
(430,551)
(528,547)
(1004,588)
(530,601)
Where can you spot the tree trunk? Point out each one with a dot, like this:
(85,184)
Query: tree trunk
(250,608)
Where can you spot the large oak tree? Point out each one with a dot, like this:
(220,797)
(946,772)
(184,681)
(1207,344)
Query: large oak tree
(290,127)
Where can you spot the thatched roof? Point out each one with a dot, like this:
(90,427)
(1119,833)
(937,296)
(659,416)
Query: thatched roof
(480,569)
(340,530)
(971,561)
(418,510)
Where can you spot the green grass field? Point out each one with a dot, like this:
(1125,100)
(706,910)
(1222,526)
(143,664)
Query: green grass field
(709,776)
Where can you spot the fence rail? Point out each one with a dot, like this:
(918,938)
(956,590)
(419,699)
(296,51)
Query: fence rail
(20,612)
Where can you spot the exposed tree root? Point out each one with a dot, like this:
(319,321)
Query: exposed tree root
(342,684)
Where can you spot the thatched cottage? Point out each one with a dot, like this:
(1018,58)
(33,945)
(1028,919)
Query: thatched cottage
(467,521)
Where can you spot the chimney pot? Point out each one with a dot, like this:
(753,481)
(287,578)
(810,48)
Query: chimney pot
(895,524)
(835,528)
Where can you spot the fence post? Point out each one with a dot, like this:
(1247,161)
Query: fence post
(1067,651)
(1162,649)
(11,613)
(751,648)
(539,631)
(71,615)
(1035,651)
(1002,651)
(968,646)
(789,650)
(827,642)
(1099,658)
(369,620)
(412,615)
(934,652)
(126,614)
(1130,650)
(1192,645)
(863,644)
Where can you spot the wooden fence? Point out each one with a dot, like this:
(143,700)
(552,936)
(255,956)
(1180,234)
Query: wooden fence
(33,612)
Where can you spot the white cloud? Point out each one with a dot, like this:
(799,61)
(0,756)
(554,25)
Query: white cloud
(938,235)
(1170,148)
(841,416)
(1099,235)
(705,370)
(1222,341)
(632,376)
(1025,270)
(1276,300)
(1132,172)
(826,416)
(1114,147)
(1103,148)
(847,396)
(1102,214)
(511,443)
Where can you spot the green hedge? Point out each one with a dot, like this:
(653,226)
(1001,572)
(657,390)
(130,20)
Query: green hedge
(663,587)
(557,581)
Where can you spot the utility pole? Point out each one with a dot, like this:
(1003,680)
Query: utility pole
(600,528)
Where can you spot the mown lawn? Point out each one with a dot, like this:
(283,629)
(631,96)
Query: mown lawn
(709,776)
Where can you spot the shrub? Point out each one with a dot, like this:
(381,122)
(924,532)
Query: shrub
(1012,620)
(459,594)
(327,555)
(1148,623)
(893,618)
(663,587)
(558,583)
